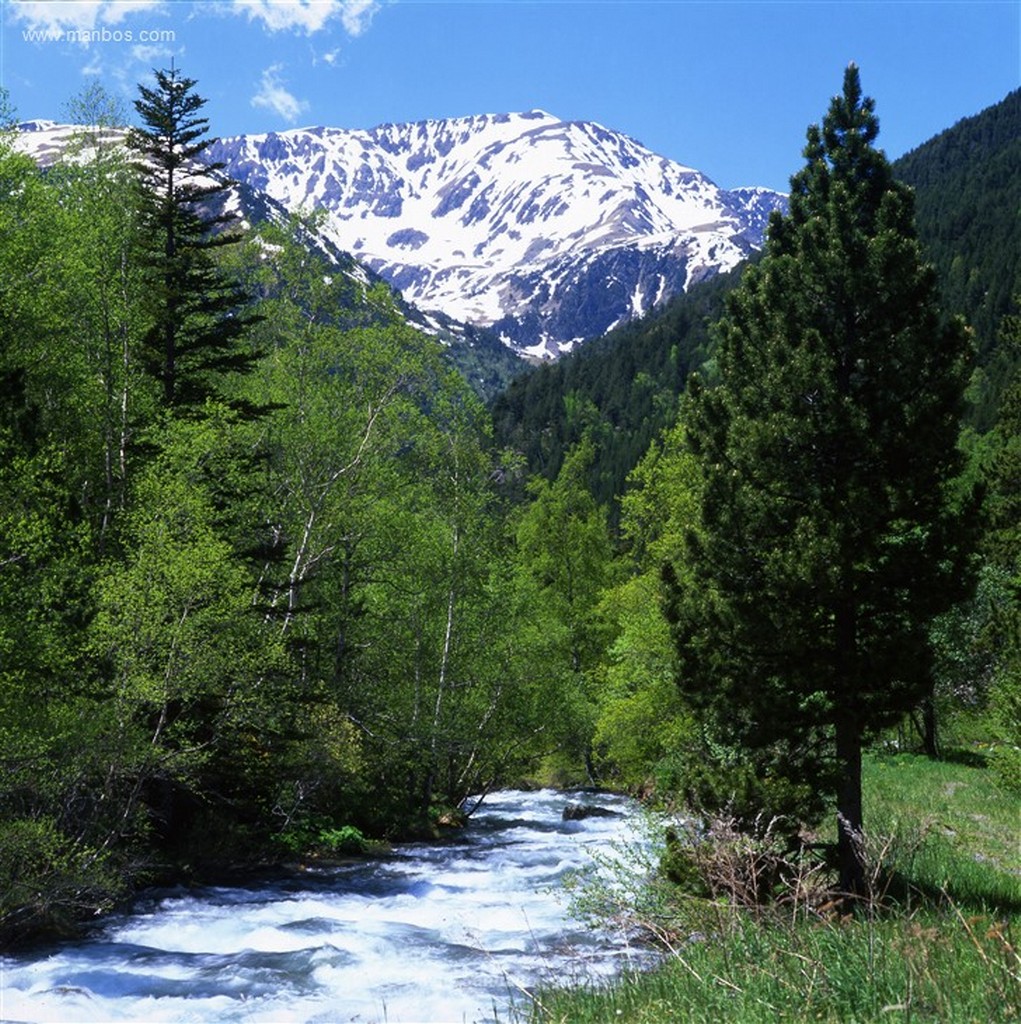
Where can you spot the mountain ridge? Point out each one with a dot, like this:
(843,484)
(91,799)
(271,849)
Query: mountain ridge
(476,352)
(629,380)
(548,231)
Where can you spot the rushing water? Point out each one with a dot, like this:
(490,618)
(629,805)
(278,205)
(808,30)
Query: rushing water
(449,932)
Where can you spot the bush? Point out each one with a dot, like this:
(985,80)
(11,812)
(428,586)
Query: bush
(1005,701)
(48,882)
(344,840)
(1005,761)
(745,867)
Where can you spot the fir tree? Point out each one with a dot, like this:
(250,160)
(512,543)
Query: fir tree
(198,317)
(826,540)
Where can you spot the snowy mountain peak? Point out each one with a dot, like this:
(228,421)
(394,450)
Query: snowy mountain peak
(40,125)
(548,230)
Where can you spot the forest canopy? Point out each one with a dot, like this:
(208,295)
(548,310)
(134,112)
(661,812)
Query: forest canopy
(271,573)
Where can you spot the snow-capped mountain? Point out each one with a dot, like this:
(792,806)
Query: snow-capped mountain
(49,142)
(486,363)
(549,231)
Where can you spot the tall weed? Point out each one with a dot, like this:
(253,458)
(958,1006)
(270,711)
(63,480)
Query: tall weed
(750,930)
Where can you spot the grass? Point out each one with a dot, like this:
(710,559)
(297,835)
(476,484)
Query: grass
(944,948)
(929,969)
(966,827)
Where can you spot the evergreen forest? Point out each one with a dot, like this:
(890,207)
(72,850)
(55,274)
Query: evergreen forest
(276,583)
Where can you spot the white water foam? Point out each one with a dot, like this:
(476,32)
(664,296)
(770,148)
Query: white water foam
(452,932)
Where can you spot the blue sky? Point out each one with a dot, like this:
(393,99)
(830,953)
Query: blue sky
(726,86)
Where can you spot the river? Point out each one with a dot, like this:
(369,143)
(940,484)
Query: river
(446,932)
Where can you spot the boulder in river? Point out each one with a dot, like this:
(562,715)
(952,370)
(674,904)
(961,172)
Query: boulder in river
(577,812)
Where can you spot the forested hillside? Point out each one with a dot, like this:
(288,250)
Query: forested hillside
(256,596)
(964,180)
(620,389)
(788,477)
(968,194)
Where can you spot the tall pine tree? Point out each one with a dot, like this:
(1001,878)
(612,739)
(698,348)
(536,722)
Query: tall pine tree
(826,540)
(198,317)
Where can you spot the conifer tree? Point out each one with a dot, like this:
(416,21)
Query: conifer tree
(826,541)
(198,317)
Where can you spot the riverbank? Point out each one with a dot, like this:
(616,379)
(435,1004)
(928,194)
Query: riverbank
(43,901)
(943,945)
(448,930)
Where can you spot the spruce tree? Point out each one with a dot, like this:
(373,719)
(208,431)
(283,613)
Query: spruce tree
(826,540)
(198,318)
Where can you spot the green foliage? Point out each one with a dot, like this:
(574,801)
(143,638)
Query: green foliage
(316,837)
(622,388)
(46,878)
(1003,549)
(641,720)
(643,725)
(198,318)
(394,596)
(965,642)
(562,565)
(255,592)
(964,179)
(1005,704)
(563,540)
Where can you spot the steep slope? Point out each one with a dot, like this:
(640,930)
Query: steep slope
(476,352)
(625,385)
(968,205)
(622,388)
(548,231)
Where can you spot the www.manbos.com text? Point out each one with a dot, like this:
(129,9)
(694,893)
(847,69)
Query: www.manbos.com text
(86,36)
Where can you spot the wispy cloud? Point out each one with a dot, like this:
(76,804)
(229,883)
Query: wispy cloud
(274,96)
(152,55)
(357,15)
(309,15)
(331,58)
(62,15)
(78,27)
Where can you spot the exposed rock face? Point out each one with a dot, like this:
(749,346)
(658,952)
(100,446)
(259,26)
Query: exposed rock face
(549,231)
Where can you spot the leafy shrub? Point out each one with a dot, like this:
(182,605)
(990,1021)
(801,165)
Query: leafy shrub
(47,882)
(1006,707)
(1006,762)
(344,840)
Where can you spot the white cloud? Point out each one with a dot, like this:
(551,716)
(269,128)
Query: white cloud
(357,15)
(274,96)
(62,15)
(94,67)
(331,58)
(309,15)
(152,55)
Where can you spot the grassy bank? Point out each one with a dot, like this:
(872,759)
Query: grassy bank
(945,947)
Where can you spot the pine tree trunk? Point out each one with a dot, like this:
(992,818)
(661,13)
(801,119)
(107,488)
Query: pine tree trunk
(930,736)
(849,810)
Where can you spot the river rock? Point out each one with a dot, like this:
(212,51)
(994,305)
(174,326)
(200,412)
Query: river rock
(576,812)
